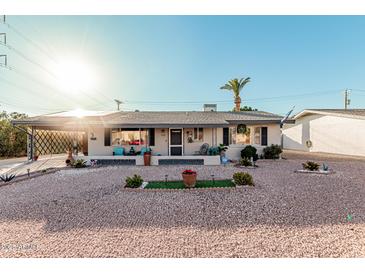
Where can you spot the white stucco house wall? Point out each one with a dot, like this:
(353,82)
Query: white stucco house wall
(336,131)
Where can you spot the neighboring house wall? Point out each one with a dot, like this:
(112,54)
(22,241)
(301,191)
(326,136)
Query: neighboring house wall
(330,134)
(296,135)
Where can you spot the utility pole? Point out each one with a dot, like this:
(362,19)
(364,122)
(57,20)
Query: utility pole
(3,34)
(118,103)
(4,55)
(346,98)
(5,59)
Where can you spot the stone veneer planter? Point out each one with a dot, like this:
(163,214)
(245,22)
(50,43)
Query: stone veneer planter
(322,172)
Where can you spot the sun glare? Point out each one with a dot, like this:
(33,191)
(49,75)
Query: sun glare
(74,75)
(79,113)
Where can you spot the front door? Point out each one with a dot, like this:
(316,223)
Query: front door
(176,141)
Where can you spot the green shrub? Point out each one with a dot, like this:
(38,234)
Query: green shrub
(272,152)
(134,182)
(217,150)
(243,178)
(309,165)
(213,151)
(249,152)
(222,148)
(79,163)
(245,162)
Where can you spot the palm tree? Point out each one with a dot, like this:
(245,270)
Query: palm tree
(236,86)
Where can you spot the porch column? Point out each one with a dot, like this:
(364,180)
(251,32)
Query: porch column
(182,142)
(216,136)
(30,143)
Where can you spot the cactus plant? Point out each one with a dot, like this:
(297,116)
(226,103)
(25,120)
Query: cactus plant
(7,178)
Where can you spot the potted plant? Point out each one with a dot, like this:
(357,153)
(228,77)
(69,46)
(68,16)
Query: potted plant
(147,157)
(222,149)
(69,154)
(189,178)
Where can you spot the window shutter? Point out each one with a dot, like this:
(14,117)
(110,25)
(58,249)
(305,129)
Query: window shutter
(264,136)
(226,136)
(151,135)
(107,135)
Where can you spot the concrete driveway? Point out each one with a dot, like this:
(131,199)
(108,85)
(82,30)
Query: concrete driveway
(19,166)
(8,164)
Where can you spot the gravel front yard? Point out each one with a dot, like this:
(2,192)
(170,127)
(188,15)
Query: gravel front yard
(88,213)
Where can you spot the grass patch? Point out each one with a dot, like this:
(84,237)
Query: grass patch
(180,184)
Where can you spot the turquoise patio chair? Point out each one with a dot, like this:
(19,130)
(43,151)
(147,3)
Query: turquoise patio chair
(119,151)
(144,150)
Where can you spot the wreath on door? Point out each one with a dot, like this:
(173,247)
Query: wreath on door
(242,129)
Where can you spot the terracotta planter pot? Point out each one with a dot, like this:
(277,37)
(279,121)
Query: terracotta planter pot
(189,180)
(147,158)
(69,155)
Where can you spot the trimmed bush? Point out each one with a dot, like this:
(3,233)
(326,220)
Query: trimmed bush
(245,162)
(134,182)
(248,152)
(312,166)
(272,152)
(213,151)
(243,178)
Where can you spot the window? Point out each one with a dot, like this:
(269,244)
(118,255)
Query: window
(257,136)
(232,135)
(151,136)
(127,136)
(107,137)
(264,136)
(226,136)
(198,134)
(260,136)
(239,137)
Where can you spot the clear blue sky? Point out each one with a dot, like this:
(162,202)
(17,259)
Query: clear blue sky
(179,62)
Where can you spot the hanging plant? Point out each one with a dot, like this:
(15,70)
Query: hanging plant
(242,129)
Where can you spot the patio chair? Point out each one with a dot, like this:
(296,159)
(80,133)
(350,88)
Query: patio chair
(118,151)
(143,150)
(203,149)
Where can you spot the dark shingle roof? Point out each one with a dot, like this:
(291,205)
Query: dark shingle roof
(155,118)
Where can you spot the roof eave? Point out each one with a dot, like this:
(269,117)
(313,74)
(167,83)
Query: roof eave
(253,122)
(308,112)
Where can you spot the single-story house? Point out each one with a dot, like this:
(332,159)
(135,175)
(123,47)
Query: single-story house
(173,136)
(327,130)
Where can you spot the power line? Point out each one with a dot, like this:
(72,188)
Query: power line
(18,32)
(230,101)
(26,75)
(12,27)
(49,48)
(27,59)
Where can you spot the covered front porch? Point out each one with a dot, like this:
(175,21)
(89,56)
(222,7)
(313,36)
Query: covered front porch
(176,145)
